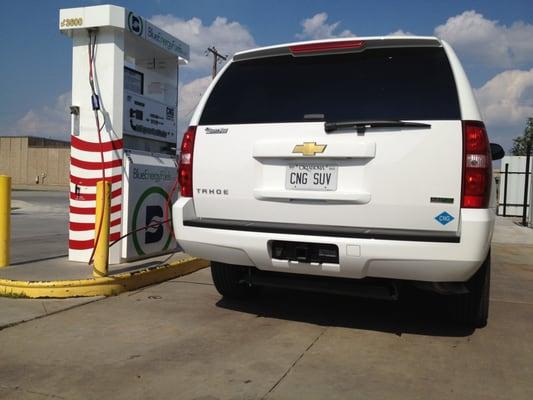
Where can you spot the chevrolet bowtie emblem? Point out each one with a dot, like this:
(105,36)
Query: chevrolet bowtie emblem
(309,148)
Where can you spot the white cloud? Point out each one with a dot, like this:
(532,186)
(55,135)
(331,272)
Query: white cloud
(507,99)
(189,96)
(228,37)
(317,27)
(48,121)
(482,41)
(401,32)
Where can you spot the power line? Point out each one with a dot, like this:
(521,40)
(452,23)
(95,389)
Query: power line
(217,57)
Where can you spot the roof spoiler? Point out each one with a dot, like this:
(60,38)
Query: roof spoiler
(335,47)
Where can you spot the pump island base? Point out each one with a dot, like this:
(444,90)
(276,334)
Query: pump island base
(60,278)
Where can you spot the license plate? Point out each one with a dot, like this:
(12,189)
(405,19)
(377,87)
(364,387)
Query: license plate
(311,176)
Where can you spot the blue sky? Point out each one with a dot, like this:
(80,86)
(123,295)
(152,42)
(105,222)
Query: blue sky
(494,40)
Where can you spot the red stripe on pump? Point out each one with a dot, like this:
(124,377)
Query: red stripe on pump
(94,165)
(80,144)
(92,196)
(92,181)
(89,244)
(89,226)
(92,210)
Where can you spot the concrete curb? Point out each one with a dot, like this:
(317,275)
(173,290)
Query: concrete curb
(106,286)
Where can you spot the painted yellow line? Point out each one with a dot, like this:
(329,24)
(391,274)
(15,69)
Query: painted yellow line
(105,286)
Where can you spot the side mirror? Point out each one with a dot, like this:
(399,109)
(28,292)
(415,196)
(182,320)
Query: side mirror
(497,151)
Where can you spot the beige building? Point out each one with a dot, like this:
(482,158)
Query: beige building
(35,161)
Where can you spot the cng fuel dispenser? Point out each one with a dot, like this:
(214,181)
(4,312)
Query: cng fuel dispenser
(123,129)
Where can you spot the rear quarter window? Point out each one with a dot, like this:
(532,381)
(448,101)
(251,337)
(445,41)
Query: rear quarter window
(376,84)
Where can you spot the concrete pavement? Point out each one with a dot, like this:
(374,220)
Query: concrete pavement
(39,222)
(180,340)
(510,230)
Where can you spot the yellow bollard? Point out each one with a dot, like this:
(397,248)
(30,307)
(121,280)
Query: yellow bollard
(103,206)
(5,219)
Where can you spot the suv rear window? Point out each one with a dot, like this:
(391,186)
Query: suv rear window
(376,84)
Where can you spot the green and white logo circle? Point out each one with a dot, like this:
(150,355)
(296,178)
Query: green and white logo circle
(135,24)
(153,213)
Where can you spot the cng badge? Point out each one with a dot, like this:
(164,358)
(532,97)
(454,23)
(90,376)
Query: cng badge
(444,218)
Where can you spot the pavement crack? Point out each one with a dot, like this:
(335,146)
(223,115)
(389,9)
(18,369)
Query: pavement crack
(44,308)
(192,283)
(294,364)
(18,388)
(13,324)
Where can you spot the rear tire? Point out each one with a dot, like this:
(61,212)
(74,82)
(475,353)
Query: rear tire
(228,281)
(472,309)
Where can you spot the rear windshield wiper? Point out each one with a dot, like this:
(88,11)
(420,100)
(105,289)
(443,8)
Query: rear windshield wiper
(362,125)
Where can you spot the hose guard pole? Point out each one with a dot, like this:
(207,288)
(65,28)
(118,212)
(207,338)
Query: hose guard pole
(5,219)
(101,232)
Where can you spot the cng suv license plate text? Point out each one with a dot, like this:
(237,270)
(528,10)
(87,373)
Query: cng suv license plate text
(311,176)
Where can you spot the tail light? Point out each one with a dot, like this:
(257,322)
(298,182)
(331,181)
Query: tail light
(477,166)
(185,164)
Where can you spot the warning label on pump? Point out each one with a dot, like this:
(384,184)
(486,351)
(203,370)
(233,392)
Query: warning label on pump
(149,118)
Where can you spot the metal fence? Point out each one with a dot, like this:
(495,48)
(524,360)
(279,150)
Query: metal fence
(514,187)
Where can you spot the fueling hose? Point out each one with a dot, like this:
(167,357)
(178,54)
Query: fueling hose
(168,208)
(95,101)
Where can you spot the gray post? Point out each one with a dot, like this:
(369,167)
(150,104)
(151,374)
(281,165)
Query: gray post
(526,184)
(506,176)
(531,200)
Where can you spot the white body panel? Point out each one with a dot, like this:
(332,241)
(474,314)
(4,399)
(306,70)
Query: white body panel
(385,178)
(467,100)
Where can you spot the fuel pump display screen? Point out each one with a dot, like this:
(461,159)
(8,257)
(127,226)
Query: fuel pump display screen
(133,80)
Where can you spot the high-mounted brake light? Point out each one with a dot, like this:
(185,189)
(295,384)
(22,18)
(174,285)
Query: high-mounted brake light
(477,166)
(301,49)
(185,164)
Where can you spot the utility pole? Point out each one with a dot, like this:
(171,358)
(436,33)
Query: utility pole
(216,58)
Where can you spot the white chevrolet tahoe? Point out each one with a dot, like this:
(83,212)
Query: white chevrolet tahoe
(350,166)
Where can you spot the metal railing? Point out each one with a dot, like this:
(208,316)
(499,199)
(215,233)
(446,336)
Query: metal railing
(524,205)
